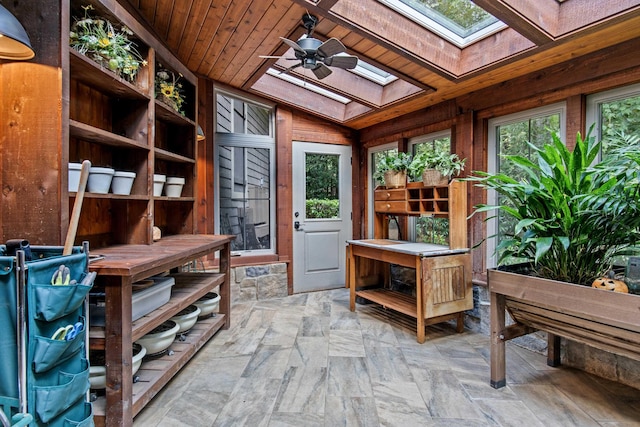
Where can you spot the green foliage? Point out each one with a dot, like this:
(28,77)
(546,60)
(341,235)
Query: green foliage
(446,163)
(572,218)
(432,230)
(322,208)
(322,176)
(392,160)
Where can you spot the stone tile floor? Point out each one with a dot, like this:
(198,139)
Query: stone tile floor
(306,360)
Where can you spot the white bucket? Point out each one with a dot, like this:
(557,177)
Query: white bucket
(158,184)
(74,176)
(174,186)
(122,182)
(99,180)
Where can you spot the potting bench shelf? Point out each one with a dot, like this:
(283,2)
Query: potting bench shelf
(443,273)
(123,265)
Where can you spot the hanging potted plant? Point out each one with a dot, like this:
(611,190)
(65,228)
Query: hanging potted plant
(572,219)
(435,167)
(392,168)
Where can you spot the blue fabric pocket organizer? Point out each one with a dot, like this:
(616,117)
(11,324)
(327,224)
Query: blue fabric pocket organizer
(78,416)
(49,353)
(57,393)
(53,302)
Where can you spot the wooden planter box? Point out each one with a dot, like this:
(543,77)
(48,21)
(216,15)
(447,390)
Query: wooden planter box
(605,320)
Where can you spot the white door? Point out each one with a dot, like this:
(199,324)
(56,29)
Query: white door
(321,174)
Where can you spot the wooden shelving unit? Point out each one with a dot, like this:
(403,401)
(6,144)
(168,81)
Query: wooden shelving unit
(122,266)
(443,273)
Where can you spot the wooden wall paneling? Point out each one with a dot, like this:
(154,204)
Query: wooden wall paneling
(284,219)
(31,133)
(477,226)
(206,160)
(576,119)
(463,138)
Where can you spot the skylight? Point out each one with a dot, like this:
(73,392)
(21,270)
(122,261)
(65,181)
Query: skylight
(309,86)
(458,21)
(372,73)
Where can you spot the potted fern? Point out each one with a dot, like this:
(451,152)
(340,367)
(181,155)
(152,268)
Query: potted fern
(572,219)
(392,168)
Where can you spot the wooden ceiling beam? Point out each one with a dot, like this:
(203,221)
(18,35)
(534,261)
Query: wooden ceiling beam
(301,98)
(537,21)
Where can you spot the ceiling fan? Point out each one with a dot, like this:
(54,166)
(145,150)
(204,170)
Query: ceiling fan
(315,55)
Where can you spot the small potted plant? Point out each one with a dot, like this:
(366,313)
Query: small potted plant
(169,89)
(435,167)
(392,168)
(107,44)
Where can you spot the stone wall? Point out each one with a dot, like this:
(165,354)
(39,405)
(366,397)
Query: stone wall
(258,282)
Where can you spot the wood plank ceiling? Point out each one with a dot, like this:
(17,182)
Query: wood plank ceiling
(223,40)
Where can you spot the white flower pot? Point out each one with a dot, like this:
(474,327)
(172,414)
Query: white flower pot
(122,182)
(74,176)
(158,184)
(173,187)
(99,180)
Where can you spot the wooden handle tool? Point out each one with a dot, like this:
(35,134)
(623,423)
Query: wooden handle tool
(77,207)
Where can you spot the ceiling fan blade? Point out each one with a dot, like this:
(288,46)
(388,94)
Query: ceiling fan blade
(331,47)
(290,68)
(321,71)
(293,45)
(277,57)
(346,62)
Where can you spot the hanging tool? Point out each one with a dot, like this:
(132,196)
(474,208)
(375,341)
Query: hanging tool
(77,207)
(62,276)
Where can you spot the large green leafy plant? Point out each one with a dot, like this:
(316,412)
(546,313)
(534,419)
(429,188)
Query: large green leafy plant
(573,215)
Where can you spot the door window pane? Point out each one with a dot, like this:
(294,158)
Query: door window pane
(322,197)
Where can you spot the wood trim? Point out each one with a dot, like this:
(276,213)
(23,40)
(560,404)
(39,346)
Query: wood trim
(284,158)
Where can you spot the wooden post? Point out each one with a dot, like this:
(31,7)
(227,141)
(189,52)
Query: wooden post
(553,350)
(498,372)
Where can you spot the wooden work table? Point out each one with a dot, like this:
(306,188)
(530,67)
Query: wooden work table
(123,265)
(443,279)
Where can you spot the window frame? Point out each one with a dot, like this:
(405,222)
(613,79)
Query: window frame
(246,140)
(594,101)
(492,160)
(370,193)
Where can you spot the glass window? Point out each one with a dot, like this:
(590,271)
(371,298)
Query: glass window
(322,189)
(235,115)
(507,136)
(375,154)
(430,229)
(245,164)
(615,114)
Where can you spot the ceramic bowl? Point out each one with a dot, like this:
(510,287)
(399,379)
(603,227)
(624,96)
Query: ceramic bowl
(98,374)
(138,353)
(161,338)
(187,318)
(208,304)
